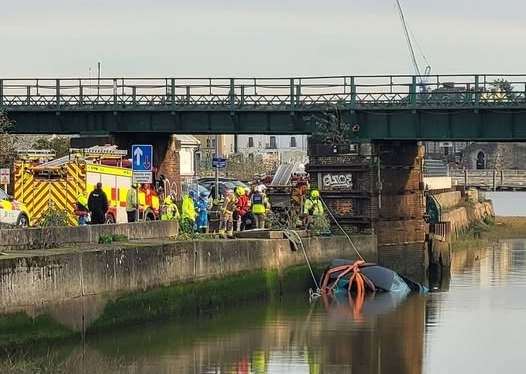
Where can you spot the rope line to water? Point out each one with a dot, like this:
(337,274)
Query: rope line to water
(312,294)
(343,231)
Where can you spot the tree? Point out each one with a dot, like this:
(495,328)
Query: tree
(7,141)
(330,128)
(248,167)
(502,88)
(59,144)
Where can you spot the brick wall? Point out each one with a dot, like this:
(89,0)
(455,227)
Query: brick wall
(401,228)
(169,163)
(165,154)
(347,185)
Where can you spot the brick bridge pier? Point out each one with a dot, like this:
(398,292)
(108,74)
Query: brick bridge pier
(377,189)
(400,226)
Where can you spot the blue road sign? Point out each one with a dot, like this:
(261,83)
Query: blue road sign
(142,157)
(218,162)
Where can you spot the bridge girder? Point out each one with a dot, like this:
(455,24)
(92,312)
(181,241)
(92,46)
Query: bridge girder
(402,124)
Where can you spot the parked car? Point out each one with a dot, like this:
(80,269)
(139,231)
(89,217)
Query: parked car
(12,212)
(196,188)
(224,184)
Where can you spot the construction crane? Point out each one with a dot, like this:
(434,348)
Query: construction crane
(410,42)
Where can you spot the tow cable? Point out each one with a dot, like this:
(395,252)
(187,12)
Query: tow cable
(313,294)
(342,230)
(357,277)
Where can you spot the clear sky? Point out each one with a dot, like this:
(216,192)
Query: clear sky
(257,38)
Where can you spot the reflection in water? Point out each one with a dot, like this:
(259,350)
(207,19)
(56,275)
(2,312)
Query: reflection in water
(292,337)
(474,325)
(477,327)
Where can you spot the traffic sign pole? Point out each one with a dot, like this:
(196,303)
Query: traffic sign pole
(217,169)
(5,178)
(142,164)
(137,214)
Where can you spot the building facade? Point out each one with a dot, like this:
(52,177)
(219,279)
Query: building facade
(188,146)
(287,148)
(207,148)
(494,156)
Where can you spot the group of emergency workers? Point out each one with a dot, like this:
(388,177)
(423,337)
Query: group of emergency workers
(244,208)
(194,211)
(240,209)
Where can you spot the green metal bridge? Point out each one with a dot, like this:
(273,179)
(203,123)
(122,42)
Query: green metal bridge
(485,107)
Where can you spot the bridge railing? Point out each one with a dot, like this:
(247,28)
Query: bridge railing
(393,91)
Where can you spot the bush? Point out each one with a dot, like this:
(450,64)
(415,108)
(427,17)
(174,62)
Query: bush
(488,220)
(278,221)
(187,231)
(54,217)
(320,225)
(108,239)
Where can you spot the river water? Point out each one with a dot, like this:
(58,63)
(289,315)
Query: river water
(508,203)
(473,323)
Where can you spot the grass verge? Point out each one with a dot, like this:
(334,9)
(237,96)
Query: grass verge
(501,228)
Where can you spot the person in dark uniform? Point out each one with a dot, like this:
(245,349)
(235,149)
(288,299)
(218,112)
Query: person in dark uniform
(98,205)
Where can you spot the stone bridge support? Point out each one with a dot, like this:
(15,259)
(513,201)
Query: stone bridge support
(165,152)
(400,226)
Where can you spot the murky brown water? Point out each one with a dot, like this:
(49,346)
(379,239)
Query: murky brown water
(476,324)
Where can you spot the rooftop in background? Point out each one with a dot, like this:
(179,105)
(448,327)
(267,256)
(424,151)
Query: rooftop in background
(187,139)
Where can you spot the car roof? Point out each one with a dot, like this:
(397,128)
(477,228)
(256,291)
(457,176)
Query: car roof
(214,178)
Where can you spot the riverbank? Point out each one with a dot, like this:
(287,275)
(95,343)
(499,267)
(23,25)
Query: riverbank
(459,213)
(50,295)
(507,228)
(501,228)
(71,320)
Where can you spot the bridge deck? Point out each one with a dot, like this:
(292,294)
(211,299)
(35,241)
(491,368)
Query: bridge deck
(385,107)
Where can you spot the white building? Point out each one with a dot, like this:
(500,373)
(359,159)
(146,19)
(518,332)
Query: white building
(189,146)
(289,148)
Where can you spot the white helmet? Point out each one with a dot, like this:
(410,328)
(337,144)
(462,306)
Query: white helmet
(261,188)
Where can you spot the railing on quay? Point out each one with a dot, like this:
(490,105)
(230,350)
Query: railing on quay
(490,179)
(301,93)
(435,168)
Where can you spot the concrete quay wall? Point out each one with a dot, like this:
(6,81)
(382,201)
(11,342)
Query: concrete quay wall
(33,279)
(52,237)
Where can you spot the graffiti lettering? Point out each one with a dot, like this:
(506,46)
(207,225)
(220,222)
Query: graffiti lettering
(337,181)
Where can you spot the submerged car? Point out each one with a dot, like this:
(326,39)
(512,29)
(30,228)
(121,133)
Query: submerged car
(12,212)
(350,276)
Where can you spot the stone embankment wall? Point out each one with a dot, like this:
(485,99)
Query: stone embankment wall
(39,277)
(448,200)
(463,218)
(462,212)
